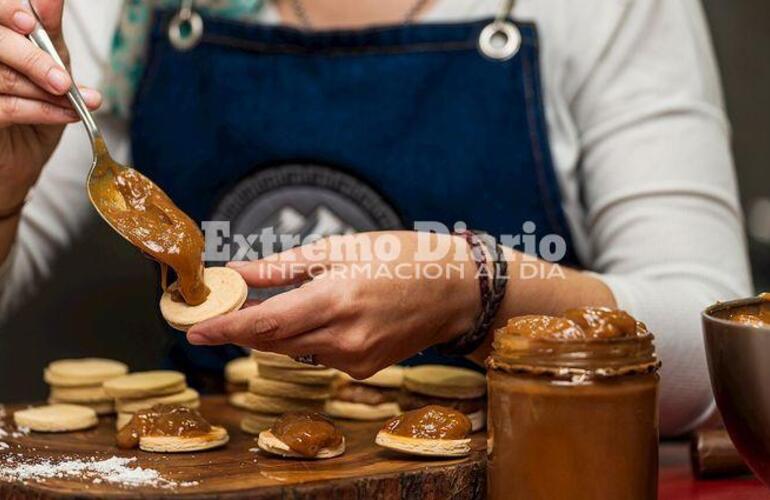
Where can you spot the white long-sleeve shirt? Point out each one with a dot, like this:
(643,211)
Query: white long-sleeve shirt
(640,142)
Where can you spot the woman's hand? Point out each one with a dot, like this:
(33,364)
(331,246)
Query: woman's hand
(33,108)
(372,299)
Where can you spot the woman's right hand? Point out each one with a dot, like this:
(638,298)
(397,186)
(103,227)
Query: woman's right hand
(33,107)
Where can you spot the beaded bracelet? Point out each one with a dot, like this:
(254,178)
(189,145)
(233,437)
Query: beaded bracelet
(491,295)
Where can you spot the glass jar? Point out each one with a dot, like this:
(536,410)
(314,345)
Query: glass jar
(573,419)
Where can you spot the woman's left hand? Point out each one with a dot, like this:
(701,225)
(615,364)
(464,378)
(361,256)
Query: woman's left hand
(362,306)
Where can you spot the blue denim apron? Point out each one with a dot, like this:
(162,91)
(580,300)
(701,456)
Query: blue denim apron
(414,115)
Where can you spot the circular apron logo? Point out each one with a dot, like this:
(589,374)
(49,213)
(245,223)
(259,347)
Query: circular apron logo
(298,201)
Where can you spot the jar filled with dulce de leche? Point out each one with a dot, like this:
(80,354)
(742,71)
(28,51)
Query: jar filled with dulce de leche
(573,408)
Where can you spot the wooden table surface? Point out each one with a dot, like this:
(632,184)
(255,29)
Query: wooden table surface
(365,471)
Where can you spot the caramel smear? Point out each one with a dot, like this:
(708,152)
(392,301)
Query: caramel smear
(162,420)
(147,217)
(583,323)
(306,432)
(430,422)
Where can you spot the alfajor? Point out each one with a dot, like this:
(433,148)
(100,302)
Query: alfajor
(82,372)
(170,429)
(434,431)
(227,292)
(275,388)
(238,372)
(146,384)
(458,388)
(282,385)
(307,435)
(100,407)
(374,398)
(56,418)
(79,381)
(280,361)
(256,423)
(271,405)
(187,397)
(324,376)
(142,391)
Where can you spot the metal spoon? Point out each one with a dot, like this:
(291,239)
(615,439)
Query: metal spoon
(100,182)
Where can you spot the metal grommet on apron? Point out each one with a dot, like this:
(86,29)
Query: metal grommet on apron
(186,27)
(500,40)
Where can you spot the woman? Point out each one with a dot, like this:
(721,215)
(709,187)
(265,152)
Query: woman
(620,148)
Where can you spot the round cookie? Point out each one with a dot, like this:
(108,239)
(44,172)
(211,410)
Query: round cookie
(269,443)
(360,411)
(275,406)
(424,447)
(100,407)
(188,397)
(445,382)
(267,387)
(281,361)
(308,377)
(175,444)
(56,418)
(238,399)
(146,384)
(228,292)
(254,424)
(240,370)
(391,377)
(83,371)
(92,394)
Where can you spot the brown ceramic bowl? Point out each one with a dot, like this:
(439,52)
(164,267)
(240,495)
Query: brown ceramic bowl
(739,365)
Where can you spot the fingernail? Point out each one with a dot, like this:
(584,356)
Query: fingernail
(58,79)
(92,97)
(24,21)
(237,263)
(196,338)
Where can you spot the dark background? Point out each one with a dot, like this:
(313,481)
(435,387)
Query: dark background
(103,301)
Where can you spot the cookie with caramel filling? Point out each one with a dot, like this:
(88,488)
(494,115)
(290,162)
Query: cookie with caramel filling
(170,429)
(430,431)
(306,435)
(228,292)
(374,398)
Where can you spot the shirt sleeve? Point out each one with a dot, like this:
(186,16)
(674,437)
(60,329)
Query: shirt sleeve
(663,217)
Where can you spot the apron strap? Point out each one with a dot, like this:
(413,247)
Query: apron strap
(506,9)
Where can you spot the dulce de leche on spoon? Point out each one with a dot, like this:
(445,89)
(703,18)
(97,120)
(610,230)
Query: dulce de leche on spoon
(143,214)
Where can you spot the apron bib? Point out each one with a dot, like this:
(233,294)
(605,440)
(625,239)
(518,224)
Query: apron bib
(344,131)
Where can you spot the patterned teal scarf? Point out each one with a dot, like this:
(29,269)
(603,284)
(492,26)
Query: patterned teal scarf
(130,41)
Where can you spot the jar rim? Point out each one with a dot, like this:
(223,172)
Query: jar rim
(593,358)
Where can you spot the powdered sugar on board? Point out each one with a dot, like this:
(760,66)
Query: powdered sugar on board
(17,466)
(119,471)
(13,432)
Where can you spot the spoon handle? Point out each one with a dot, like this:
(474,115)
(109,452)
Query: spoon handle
(41,39)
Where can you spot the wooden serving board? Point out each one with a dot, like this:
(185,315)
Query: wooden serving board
(365,471)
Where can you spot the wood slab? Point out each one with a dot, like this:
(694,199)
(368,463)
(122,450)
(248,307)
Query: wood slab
(365,471)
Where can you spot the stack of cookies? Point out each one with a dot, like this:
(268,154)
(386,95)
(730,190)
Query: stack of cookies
(459,388)
(373,398)
(282,385)
(143,390)
(79,382)
(238,372)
